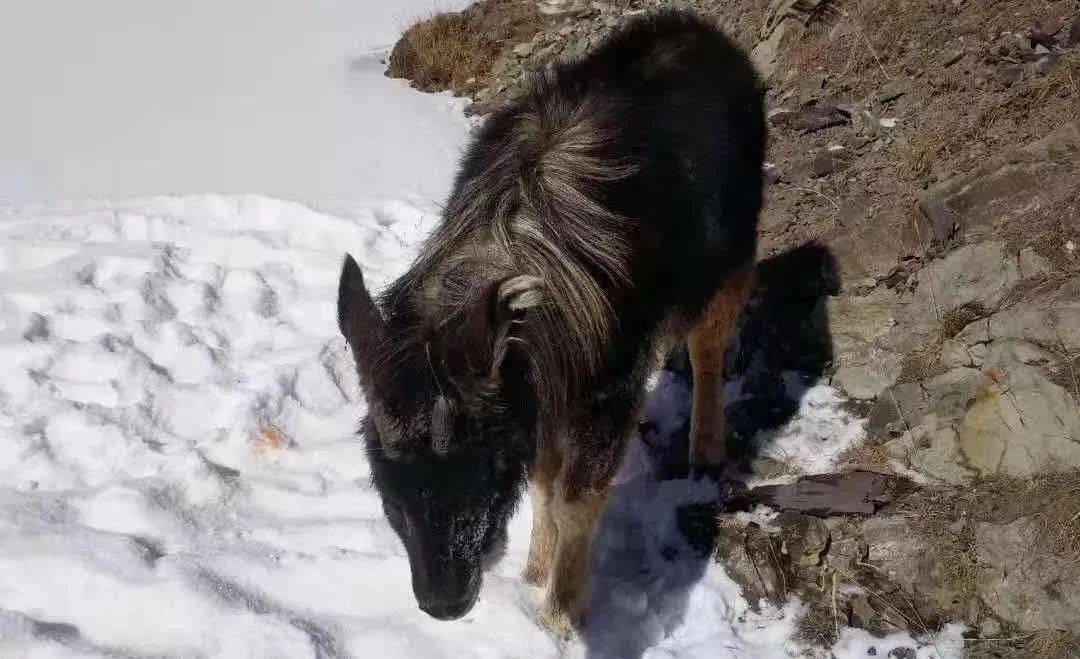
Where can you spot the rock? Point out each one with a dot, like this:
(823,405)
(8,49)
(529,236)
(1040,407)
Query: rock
(828,162)
(897,409)
(1050,320)
(956,353)
(810,118)
(874,247)
(1041,50)
(892,90)
(989,628)
(1023,583)
(1006,187)
(1019,422)
(903,653)
(862,615)
(846,548)
(894,548)
(1032,264)
(933,452)
(859,327)
(751,556)
(822,495)
(952,57)
(1044,35)
(523,49)
(805,538)
(854,210)
(979,273)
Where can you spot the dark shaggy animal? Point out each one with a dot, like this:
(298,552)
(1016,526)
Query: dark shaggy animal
(605,215)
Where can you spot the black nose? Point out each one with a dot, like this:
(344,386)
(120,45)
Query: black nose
(448,610)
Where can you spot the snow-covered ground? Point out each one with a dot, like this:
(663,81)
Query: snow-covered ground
(178,475)
(122,98)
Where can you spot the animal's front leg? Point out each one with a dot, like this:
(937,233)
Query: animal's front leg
(576,515)
(545,533)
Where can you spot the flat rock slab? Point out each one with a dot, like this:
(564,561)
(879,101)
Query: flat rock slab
(824,495)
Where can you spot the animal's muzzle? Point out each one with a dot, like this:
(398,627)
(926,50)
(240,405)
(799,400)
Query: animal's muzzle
(449,597)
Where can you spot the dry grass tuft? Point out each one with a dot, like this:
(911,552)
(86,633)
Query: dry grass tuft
(817,625)
(456,50)
(955,320)
(1046,644)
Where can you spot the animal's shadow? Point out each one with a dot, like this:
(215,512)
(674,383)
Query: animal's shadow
(658,533)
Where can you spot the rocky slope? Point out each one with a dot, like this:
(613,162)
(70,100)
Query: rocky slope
(924,193)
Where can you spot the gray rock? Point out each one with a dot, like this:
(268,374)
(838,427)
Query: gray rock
(1050,321)
(750,557)
(979,273)
(523,49)
(1021,427)
(805,538)
(892,90)
(860,326)
(1005,187)
(1023,585)
(933,451)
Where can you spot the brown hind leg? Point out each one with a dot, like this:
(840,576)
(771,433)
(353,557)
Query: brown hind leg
(707,342)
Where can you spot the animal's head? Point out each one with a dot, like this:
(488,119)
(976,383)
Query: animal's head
(449,465)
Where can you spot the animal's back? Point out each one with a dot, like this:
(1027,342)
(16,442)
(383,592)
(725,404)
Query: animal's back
(629,181)
(661,126)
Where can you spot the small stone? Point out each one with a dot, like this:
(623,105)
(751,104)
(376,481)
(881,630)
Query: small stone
(826,163)
(892,90)
(1041,50)
(1043,34)
(989,628)
(952,57)
(523,49)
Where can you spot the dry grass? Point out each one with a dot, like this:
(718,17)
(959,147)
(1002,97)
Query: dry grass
(945,519)
(868,455)
(817,625)
(456,50)
(1047,644)
(956,319)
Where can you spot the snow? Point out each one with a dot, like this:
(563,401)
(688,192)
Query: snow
(178,472)
(122,98)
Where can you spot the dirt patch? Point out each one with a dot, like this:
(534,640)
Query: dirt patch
(454,51)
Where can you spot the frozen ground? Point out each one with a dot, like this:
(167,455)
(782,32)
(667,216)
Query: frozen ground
(121,98)
(178,476)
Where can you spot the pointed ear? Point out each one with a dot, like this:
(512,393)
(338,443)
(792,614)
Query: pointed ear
(514,297)
(517,295)
(358,317)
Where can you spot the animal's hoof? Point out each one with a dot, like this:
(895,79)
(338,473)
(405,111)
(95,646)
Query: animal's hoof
(559,622)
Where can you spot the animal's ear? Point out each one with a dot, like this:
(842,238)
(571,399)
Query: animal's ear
(517,295)
(358,317)
(514,297)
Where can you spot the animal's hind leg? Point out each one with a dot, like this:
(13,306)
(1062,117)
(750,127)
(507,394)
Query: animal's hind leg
(707,342)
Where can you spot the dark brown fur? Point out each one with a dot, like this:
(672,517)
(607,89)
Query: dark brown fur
(608,213)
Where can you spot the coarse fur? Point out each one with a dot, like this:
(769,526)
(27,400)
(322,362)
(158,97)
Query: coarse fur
(607,213)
